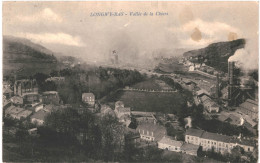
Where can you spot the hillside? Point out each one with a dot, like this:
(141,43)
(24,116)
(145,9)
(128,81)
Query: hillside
(26,57)
(217,54)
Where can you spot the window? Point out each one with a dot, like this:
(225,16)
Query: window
(248,149)
(208,142)
(187,137)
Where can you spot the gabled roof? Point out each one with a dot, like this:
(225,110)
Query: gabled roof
(189,147)
(157,130)
(201,92)
(7,90)
(194,132)
(216,137)
(16,100)
(13,110)
(41,114)
(24,113)
(250,105)
(234,119)
(170,141)
(86,95)
(223,117)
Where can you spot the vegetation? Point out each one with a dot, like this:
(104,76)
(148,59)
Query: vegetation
(153,101)
(237,155)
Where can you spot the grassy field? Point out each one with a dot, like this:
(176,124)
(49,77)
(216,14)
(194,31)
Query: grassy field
(152,102)
(148,84)
(172,68)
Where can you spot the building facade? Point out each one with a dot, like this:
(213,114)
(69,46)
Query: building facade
(170,144)
(220,143)
(50,97)
(88,98)
(151,131)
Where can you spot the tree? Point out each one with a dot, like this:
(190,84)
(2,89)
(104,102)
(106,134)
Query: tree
(200,153)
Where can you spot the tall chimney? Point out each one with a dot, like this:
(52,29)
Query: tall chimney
(231,66)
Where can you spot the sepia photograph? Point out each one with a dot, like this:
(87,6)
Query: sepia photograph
(121,81)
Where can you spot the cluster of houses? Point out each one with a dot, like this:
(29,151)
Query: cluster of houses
(194,138)
(24,101)
(200,67)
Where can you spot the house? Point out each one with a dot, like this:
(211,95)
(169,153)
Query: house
(30,98)
(16,100)
(209,104)
(220,143)
(190,149)
(50,97)
(151,131)
(88,98)
(7,92)
(170,144)
(38,107)
(23,114)
(55,79)
(38,118)
(6,103)
(17,112)
(250,108)
(235,120)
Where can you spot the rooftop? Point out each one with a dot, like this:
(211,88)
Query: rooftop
(17,99)
(24,113)
(7,90)
(216,137)
(250,105)
(194,132)
(41,114)
(50,92)
(170,141)
(157,130)
(86,95)
(188,146)
(13,110)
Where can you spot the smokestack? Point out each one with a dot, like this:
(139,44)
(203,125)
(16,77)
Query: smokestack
(231,66)
(217,86)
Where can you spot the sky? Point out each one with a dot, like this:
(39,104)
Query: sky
(68,28)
